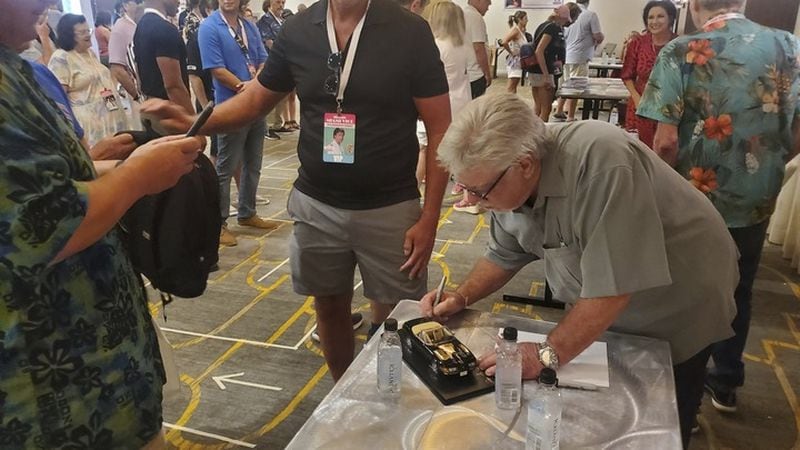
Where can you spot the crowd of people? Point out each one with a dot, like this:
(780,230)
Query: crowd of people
(716,120)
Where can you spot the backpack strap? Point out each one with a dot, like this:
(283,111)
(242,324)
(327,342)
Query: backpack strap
(166,299)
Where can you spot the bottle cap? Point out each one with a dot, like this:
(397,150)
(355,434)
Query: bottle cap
(390,325)
(510,334)
(548,376)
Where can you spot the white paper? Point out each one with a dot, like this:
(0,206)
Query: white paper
(589,370)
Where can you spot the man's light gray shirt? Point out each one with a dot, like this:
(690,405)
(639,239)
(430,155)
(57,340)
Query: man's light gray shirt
(611,218)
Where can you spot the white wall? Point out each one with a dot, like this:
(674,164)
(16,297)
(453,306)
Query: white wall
(617,18)
(255,5)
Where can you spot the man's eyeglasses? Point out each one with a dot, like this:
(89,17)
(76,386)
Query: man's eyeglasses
(334,64)
(484,195)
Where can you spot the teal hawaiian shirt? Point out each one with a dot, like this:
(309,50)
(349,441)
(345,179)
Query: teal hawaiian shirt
(732,90)
(79,360)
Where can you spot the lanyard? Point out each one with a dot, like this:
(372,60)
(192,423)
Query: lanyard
(277,19)
(722,17)
(351,52)
(241,40)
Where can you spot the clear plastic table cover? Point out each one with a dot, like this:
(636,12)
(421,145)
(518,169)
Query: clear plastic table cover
(637,411)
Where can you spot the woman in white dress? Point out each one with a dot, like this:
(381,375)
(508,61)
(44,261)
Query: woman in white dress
(447,24)
(88,83)
(512,43)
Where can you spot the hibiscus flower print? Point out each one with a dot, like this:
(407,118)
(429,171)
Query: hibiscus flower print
(55,365)
(703,179)
(700,52)
(718,128)
(770,103)
(751,163)
(14,434)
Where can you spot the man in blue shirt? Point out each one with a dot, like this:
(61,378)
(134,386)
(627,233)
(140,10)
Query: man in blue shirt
(231,48)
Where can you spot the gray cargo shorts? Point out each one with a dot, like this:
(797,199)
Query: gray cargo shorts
(327,243)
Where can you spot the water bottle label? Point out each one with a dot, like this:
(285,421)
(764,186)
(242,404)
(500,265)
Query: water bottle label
(509,393)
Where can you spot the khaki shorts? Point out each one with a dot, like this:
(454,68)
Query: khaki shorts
(539,80)
(576,70)
(328,243)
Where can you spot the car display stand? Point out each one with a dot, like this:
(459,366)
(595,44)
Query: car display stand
(448,389)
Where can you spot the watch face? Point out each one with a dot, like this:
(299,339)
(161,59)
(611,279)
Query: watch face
(548,357)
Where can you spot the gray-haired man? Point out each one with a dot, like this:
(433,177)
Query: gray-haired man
(571,194)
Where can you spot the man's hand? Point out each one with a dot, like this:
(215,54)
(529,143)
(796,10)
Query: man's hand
(531,366)
(160,163)
(113,147)
(166,116)
(450,304)
(418,246)
(488,80)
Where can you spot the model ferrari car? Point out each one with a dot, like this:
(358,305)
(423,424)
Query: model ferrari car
(437,345)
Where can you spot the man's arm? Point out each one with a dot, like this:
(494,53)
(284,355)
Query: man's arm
(228,116)
(419,240)
(579,328)
(597,33)
(484,279)
(173,82)
(483,60)
(227,78)
(665,143)
(199,89)
(583,324)
(154,167)
(598,38)
(124,78)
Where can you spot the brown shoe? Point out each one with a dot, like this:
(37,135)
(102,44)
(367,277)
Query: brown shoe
(258,222)
(227,238)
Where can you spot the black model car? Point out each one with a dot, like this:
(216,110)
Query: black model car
(436,344)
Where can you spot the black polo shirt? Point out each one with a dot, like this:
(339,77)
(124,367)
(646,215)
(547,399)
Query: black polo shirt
(396,61)
(155,37)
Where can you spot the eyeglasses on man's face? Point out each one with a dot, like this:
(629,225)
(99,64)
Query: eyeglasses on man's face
(484,194)
(332,82)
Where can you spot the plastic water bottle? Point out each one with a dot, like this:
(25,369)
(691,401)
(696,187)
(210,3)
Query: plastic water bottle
(544,414)
(390,360)
(508,377)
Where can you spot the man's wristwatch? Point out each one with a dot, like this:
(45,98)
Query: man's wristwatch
(548,356)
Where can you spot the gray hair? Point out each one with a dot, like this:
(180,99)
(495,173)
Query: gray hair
(495,131)
(716,5)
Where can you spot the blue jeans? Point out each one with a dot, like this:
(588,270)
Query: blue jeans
(243,147)
(728,370)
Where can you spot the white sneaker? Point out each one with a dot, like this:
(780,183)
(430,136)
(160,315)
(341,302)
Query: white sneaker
(469,209)
(261,200)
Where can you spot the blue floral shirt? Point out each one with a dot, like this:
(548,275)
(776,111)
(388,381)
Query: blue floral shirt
(732,90)
(79,360)
(269,27)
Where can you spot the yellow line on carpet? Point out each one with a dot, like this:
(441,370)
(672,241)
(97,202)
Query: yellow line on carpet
(236,316)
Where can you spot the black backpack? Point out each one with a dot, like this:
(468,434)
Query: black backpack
(173,237)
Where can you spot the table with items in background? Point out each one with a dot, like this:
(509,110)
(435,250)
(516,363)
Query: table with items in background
(593,92)
(604,66)
(638,410)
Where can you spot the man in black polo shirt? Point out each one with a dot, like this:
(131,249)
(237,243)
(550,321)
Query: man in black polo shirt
(369,68)
(161,54)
